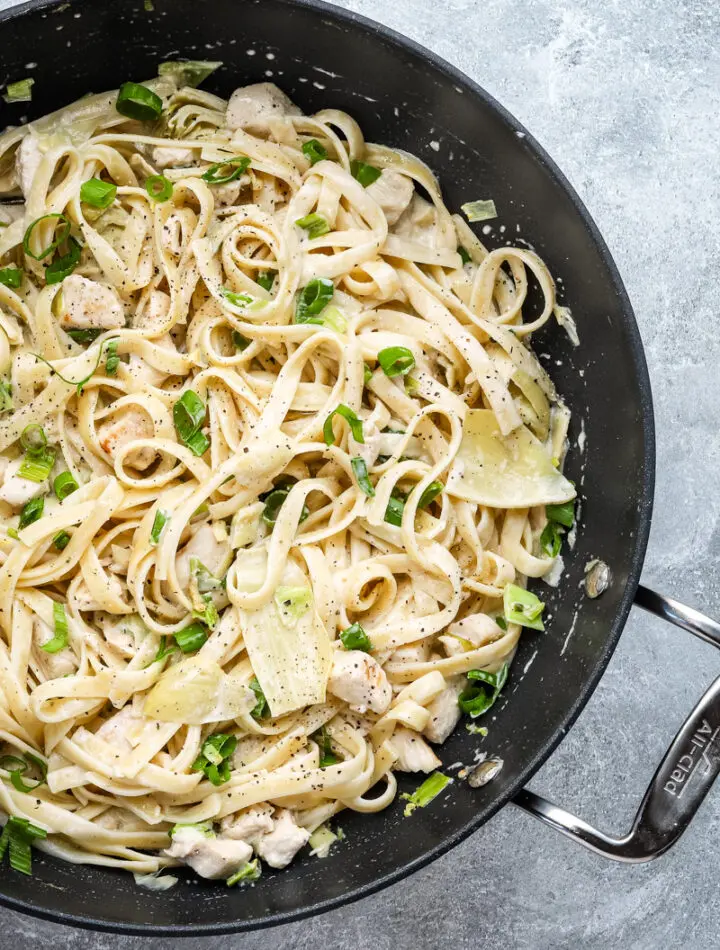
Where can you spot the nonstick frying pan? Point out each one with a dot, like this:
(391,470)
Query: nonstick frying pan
(404,96)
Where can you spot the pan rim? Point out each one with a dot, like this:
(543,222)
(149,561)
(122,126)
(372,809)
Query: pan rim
(357,21)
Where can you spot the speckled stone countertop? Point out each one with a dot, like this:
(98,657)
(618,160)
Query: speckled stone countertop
(625,95)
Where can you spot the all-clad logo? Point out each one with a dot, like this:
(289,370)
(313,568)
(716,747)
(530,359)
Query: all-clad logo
(697,755)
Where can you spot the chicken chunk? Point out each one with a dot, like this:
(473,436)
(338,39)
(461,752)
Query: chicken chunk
(479,629)
(250,107)
(15,489)
(211,546)
(126,426)
(249,826)
(27,162)
(169,156)
(414,754)
(53,665)
(88,305)
(284,841)
(359,679)
(393,192)
(211,857)
(444,711)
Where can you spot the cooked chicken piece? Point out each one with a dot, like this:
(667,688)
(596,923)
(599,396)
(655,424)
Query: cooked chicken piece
(358,678)
(27,162)
(88,305)
(249,825)
(212,857)
(15,489)
(169,156)
(444,711)
(126,426)
(284,841)
(124,633)
(53,665)
(251,107)
(479,629)
(414,754)
(393,192)
(211,546)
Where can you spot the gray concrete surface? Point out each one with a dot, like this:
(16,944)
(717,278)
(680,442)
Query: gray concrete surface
(625,95)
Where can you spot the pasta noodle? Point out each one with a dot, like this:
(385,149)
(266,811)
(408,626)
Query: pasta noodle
(275,453)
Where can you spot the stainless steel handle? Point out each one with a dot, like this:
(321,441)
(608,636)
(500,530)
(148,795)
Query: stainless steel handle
(683,779)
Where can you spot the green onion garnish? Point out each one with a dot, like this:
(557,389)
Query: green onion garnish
(430,494)
(266,279)
(365,174)
(501,622)
(191,638)
(6,402)
(356,426)
(136,101)
(327,756)
(61,540)
(481,693)
(562,514)
(36,466)
(395,507)
(10,276)
(260,710)
(355,638)
(20,91)
(84,336)
(60,236)
(189,73)
(314,151)
(423,795)
(246,874)
(274,500)
(31,512)
(523,607)
(64,485)
(18,835)
(235,167)
(313,299)
(113,360)
(98,193)
(236,299)
(361,475)
(559,517)
(551,539)
(367,374)
(214,758)
(188,415)
(479,210)
(209,614)
(159,187)
(17,765)
(241,342)
(396,361)
(165,648)
(64,265)
(33,438)
(314,224)
(161,519)
(464,256)
(60,640)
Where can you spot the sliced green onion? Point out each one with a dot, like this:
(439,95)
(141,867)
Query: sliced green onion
(355,638)
(266,279)
(6,402)
(64,265)
(395,508)
(523,607)
(464,256)
(274,500)
(246,874)
(190,72)
(61,540)
(236,165)
(483,690)
(292,603)
(64,485)
(313,299)
(430,494)
(79,383)
(60,640)
(333,318)
(161,519)
(365,174)
(159,187)
(112,359)
(361,475)
(260,710)
(356,426)
(412,386)
(17,835)
(136,101)
(36,466)
(236,299)
(423,795)
(396,361)
(367,374)
(84,336)
(479,210)
(188,415)
(314,224)
(33,438)
(18,765)
(31,512)
(501,622)
(60,236)
(551,539)
(204,580)
(98,193)
(209,614)
(327,756)
(314,151)
(191,638)
(204,827)
(165,648)
(241,342)
(214,758)
(562,514)
(10,276)
(20,91)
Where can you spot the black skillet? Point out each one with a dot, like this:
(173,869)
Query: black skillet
(402,95)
